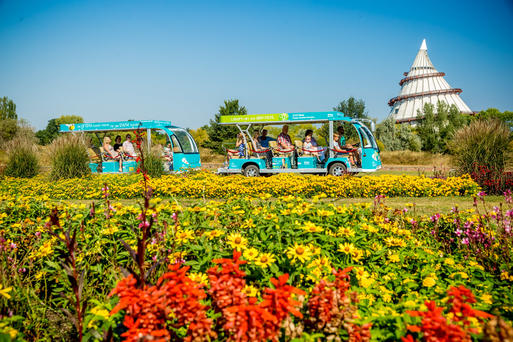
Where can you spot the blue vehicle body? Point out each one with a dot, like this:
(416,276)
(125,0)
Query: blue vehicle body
(184,149)
(334,163)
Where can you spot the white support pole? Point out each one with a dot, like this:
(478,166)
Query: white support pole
(148,134)
(330,124)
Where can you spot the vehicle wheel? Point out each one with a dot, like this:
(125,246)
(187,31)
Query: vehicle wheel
(337,169)
(251,171)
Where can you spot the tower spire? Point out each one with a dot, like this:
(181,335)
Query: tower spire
(423,46)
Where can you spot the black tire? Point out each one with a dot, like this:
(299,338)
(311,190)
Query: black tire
(337,169)
(251,171)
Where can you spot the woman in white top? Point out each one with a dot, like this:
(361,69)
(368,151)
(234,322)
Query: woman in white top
(107,147)
(128,147)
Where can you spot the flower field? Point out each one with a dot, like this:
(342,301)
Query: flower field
(248,269)
(208,185)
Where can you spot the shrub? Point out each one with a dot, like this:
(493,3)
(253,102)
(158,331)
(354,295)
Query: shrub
(22,159)
(397,137)
(22,163)
(483,142)
(481,149)
(153,165)
(68,156)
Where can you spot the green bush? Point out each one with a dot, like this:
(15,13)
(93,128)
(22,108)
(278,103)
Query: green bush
(482,143)
(153,165)
(68,156)
(22,162)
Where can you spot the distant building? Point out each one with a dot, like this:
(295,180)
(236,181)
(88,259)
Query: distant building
(423,84)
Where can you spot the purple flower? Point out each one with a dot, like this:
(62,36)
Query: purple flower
(13,245)
(458,232)
(435,217)
(38,234)
(465,241)
(481,194)
(144,224)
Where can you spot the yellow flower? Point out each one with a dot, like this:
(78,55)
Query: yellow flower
(345,231)
(4,291)
(250,254)
(98,311)
(213,234)
(429,282)
(347,248)
(248,223)
(311,227)
(394,258)
(183,236)
(237,241)
(250,291)
(486,298)
(265,259)
(324,213)
(200,278)
(449,261)
(299,252)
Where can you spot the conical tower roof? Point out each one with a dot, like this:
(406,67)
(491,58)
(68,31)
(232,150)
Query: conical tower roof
(423,84)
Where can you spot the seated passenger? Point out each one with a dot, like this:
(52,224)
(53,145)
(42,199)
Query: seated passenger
(341,150)
(309,132)
(128,147)
(354,155)
(308,146)
(117,144)
(240,145)
(257,146)
(168,157)
(260,148)
(109,150)
(284,141)
(264,139)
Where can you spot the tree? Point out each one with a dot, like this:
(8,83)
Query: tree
(69,119)
(397,137)
(47,135)
(200,135)
(436,130)
(494,113)
(218,134)
(7,109)
(353,108)
(8,119)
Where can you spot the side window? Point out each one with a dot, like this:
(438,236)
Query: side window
(176,145)
(186,141)
(365,138)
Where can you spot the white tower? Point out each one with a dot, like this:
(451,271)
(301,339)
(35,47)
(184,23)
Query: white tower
(423,84)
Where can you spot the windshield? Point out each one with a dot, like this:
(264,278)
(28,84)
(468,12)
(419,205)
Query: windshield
(368,139)
(186,141)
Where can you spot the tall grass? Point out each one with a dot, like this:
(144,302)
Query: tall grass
(414,158)
(22,155)
(482,143)
(68,157)
(153,165)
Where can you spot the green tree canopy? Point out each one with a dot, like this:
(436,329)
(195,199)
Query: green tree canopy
(7,109)
(219,134)
(397,137)
(436,129)
(494,113)
(353,108)
(47,135)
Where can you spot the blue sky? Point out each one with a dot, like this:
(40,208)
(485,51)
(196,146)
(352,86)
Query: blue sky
(178,60)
